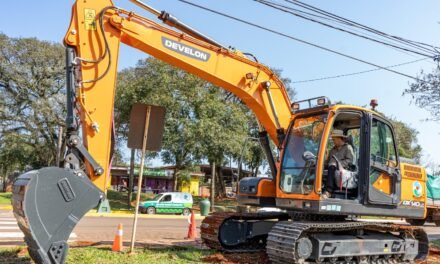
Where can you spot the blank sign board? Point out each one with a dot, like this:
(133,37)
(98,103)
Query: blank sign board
(155,126)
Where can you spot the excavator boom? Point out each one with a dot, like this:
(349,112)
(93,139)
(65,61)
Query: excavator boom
(49,202)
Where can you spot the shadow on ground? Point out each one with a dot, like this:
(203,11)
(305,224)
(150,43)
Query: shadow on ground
(18,255)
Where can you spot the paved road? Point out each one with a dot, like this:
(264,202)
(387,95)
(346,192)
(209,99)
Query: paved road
(102,229)
(10,233)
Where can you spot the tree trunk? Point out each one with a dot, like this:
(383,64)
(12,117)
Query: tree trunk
(256,171)
(212,185)
(176,173)
(5,179)
(131,177)
(221,190)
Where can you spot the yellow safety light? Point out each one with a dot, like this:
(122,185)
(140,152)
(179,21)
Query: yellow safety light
(295,106)
(321,101)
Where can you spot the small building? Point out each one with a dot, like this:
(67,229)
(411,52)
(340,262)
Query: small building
(160,179)
(193,185)
(154,180)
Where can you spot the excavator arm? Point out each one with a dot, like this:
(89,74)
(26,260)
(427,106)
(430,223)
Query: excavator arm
(95,32)
(49,202)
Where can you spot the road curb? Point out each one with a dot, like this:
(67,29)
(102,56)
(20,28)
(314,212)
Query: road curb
(130,215)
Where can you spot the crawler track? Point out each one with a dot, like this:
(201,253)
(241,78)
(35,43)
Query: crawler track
(283,238)
(281,242)
(212,224)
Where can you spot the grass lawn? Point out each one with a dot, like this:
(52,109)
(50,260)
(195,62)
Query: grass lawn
(5,198)
(118,200)
(435,243)
(104,255)
(218,202)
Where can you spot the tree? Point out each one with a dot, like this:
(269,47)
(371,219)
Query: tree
(32,96)
(15,154)
(426,92)
(203,122)
(406,140)
(223,127)
(155,82)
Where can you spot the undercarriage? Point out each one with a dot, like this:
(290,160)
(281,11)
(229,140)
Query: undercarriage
(312,240)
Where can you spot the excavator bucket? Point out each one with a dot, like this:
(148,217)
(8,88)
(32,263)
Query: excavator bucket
(48,203)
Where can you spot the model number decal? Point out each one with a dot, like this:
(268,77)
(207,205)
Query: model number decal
(185,49)
(413,203)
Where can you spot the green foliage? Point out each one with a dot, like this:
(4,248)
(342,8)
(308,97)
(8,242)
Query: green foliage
(32,79)
(426,92)
(199,124)
(406,140)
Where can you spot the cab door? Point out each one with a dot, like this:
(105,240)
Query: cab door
(382,170)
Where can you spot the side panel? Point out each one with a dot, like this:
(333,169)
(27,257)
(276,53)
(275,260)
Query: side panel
(348,207)
(413,186)
(256,191)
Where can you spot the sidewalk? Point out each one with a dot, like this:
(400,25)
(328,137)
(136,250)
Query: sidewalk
(130,214)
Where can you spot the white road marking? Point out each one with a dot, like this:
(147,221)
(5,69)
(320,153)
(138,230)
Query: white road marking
(11,235)
(8,222)
(21,235)
(9,227)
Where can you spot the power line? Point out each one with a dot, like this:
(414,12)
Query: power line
(297,39)
(291,11)
(352,23)
(357,73)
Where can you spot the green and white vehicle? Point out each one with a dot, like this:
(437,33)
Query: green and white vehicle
(169,202)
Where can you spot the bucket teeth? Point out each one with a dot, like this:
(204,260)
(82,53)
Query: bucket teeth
(48,203)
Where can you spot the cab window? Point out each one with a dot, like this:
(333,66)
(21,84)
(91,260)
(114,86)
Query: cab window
(166,198)
(299,160)
(382,145)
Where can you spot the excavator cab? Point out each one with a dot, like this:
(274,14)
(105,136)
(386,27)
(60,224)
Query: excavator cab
(369,185)
(321,229)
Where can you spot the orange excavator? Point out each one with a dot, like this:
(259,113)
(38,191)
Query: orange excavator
(311,228)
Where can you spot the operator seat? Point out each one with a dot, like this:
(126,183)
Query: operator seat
(350,141)
(347,179)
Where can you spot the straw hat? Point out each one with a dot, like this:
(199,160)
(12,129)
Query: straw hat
(338,133)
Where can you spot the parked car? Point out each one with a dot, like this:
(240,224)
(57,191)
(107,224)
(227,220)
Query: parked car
(168,202)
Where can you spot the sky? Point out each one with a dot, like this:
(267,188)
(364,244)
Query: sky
(415,20)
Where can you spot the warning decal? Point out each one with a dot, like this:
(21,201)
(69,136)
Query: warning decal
(89,19)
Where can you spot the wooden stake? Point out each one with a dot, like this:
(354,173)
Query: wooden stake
(141,172)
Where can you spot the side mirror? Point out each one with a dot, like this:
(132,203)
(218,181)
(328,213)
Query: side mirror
(308,156)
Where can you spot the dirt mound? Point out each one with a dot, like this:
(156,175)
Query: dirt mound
(243,258)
